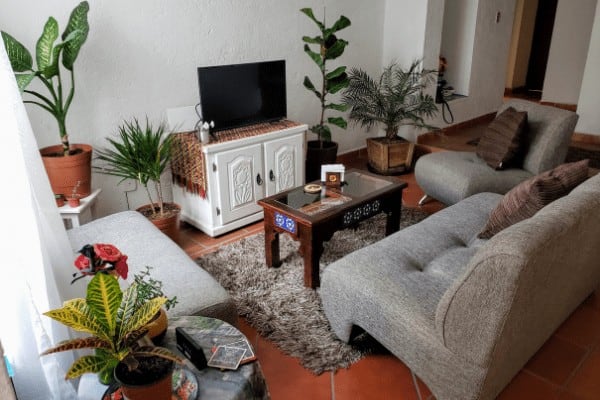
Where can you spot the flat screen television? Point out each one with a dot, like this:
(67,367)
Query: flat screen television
(242,94)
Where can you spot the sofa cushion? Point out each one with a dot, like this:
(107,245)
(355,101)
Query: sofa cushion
(503,139)
(524,200)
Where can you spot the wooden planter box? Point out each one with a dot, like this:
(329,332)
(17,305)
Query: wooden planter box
(390,156)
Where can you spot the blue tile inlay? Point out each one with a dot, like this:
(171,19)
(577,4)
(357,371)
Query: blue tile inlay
(285,222)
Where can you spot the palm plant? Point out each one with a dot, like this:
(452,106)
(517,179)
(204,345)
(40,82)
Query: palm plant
(397,98)
(142,154)
(116,322)
(48,70)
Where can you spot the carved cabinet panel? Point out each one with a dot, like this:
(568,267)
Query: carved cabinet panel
(284,161)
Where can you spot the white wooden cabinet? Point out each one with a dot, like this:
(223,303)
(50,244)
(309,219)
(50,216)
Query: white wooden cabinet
(240,172)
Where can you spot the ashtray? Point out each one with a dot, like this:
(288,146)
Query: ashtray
(312,188)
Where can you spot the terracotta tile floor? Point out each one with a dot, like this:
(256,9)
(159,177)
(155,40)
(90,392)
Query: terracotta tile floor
(566,367)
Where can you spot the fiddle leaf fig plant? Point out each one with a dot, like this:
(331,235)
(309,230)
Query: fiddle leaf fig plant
(329,47)
(48,54)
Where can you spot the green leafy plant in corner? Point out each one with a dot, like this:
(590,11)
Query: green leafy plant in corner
(142,154)
(397,98)
(149,288)
(48,54)
(116,322)
(329,47)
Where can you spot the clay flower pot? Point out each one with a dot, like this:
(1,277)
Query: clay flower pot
(152,381)
(74,201)
(60,200)
(157,328)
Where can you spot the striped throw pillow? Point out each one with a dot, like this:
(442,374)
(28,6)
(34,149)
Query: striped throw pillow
(502,140)
(530,196)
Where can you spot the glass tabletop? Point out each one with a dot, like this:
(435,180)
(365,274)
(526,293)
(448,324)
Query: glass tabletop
(355,185)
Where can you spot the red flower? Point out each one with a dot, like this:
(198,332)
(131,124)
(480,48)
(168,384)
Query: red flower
(82,263)
(107,252)
(121,267)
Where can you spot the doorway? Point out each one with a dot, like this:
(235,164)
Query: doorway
(540,46)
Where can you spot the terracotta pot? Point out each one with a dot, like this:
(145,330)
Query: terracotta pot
(74,201)
(60,200)
(157,388)
(157,328)
(65,172)
(317,154)
(169,225)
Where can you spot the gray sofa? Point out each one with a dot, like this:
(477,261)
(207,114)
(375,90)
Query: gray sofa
(465,314)
(197,292)
(451,176)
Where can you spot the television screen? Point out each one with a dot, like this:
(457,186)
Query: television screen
(242,94)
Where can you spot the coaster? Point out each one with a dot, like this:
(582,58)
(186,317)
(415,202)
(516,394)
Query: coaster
(312,188)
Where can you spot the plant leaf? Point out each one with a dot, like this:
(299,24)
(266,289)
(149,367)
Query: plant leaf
(338,121)
(316,57)
(23,80)
(45,45)
(76,314)
(337,107)
(19,56)
(154,351)
(92,364)
(336,49)
(340,24)
(104,298)
(143,314)
(335,73)
(309,85)
(91,342)
(77,22)
(309,13)
(313,40)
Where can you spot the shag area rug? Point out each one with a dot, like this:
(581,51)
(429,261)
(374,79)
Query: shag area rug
(276,303)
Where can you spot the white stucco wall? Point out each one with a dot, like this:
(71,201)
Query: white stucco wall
(458,36)
(488,69)
(568,50)
(141,58)
(404,31)
(589,99)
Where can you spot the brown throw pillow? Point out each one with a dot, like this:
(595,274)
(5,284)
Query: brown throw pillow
(530,196)
(500,144)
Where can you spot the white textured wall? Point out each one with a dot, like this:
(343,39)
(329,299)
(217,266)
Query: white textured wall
(458,36)
(404,31)
(490,54)
(568,50)
(141,57)
(589,99)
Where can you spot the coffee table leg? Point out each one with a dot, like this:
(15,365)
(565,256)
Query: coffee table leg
(271,243)
(393,215)
(312,251)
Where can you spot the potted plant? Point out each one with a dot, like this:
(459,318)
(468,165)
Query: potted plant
(149,288)
(142,154)
(397,98)
(66,163)
(60,199)
(117,327)
(329,47)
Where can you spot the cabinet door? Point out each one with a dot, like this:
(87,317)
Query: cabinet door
(241,182)
(284,163)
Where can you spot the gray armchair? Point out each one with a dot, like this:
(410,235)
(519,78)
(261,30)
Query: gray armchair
(450,176)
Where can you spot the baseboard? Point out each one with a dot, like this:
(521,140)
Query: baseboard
(564,106)
(585,138)
(351,155)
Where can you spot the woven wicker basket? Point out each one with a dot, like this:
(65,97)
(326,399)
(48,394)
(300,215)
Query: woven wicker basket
(390,156)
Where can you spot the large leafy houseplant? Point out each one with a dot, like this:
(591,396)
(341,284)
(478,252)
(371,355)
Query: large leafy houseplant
(395,99)
(142,154)
(49,54)
(329,47)
(116,323)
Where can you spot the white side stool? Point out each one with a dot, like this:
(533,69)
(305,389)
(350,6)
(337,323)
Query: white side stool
(75,216)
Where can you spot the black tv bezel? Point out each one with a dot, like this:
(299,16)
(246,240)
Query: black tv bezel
(247,122)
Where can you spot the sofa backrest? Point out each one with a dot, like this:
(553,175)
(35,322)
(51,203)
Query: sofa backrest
(549,134)
(523,282)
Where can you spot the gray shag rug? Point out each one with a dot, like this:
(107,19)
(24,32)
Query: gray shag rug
(276,303)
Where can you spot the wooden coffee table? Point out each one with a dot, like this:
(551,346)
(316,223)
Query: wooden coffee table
(312,219)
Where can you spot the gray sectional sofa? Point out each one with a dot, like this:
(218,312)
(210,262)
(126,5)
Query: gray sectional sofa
(465,314)
(198,293)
